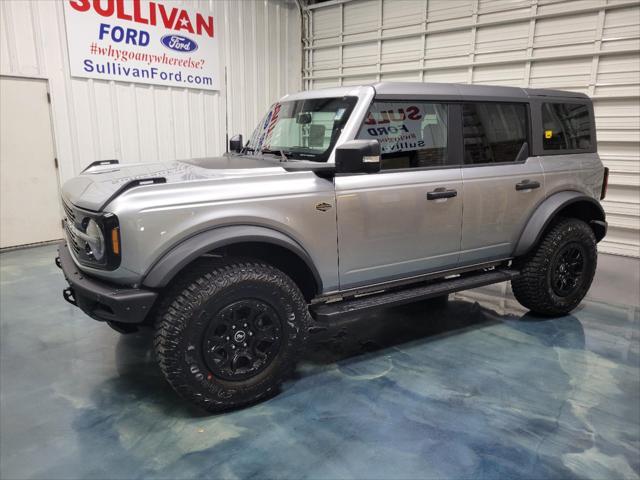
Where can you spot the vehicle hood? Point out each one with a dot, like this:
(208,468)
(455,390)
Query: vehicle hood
(95,188)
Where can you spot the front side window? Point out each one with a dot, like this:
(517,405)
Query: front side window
(302,129)
(566,126)
(494,132)
(411,134)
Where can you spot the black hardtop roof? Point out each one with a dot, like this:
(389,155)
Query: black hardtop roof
(407,90)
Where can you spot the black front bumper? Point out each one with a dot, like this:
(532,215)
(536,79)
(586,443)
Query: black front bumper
(101,300)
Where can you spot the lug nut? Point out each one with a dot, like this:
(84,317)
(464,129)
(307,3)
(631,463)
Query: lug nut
(233,327)
(251,334)
(244,344)
(245,325)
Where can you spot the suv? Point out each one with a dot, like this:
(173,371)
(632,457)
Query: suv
(342,201)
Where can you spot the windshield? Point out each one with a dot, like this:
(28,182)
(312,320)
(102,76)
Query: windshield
(302,129)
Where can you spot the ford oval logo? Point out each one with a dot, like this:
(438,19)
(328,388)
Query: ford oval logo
(179,43)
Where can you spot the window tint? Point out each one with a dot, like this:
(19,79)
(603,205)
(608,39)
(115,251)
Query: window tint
(494,132)
(411,134)
(566,126)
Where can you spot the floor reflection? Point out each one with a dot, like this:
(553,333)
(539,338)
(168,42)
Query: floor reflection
(471,386)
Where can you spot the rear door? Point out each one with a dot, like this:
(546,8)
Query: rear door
(406,219)
(502,183)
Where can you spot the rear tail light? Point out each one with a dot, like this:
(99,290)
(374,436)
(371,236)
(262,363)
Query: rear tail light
(605,184)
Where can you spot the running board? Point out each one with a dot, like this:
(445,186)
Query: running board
(328,311)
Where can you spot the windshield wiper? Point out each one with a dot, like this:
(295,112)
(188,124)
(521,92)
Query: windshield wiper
(283,157)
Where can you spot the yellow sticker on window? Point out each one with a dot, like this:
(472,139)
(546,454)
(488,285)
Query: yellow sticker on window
(548,134)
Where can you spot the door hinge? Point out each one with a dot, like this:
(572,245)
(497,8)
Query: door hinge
(55,161)
(48,97)
(62,223)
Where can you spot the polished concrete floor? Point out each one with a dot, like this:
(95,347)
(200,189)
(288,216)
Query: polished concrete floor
(468,388)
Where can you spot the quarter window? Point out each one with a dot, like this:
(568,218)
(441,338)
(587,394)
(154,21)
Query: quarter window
(566,126)
(411,134)
(494,132)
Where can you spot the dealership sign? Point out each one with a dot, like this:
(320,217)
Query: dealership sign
(158,42)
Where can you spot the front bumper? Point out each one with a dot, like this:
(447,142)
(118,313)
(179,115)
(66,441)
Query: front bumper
(101,300)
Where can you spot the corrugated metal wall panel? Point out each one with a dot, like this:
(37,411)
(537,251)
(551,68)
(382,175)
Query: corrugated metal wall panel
(589,46)
(95,119)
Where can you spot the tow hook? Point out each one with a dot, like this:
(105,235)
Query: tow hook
(69,296)
(58,264)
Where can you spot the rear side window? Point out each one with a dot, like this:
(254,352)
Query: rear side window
(566,126)
(411,134)
(494,132)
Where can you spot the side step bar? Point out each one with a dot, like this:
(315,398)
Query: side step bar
(328,311)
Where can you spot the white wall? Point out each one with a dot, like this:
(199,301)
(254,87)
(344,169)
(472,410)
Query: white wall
(95,119)
(589,46)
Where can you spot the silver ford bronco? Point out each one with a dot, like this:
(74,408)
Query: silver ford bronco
(343,200)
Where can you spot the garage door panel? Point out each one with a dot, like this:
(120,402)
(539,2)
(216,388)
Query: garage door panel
(359,15)
(453,75)
(622,22)
(449,43)
(502,37)
(401,12)
(586,46)
(499,74)
(563,50)
(446,9)
(402,49)
(563,7)
(501,16)
(355,54)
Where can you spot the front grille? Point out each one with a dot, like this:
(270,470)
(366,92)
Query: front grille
(69,212)
(74,242)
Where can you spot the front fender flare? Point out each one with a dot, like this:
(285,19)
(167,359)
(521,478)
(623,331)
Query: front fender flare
(165,269)
(547,211)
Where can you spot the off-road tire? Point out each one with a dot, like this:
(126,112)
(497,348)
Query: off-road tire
(533,288)
(190,305)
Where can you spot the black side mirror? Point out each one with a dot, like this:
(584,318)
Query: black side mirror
(235,144)
(358,156)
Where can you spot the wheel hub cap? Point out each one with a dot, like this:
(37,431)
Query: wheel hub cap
(567,273)
(242,339)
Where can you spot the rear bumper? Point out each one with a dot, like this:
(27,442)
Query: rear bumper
(101,300)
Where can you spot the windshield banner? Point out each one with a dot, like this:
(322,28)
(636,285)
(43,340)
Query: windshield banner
(158,42)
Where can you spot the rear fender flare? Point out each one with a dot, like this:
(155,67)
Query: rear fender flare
(550,208)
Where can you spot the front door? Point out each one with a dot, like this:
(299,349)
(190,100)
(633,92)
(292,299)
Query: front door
(405,220)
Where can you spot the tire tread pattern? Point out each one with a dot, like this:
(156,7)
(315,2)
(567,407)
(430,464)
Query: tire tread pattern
(532,289)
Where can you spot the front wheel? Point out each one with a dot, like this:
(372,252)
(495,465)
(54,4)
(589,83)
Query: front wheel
(556,276)
(229,334)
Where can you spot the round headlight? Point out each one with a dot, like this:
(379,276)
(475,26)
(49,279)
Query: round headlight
(95,240)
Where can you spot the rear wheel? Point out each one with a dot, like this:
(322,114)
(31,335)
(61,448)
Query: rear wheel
(556,276)
(229,334)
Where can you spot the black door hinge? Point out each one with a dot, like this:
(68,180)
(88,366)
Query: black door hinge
(48,97)
(55,161)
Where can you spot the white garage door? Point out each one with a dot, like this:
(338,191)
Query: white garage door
(589,46)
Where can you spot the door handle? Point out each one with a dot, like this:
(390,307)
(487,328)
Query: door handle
(527,185)
(441,193)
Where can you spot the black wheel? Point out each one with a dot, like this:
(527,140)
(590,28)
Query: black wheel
(229,334)
(556,276)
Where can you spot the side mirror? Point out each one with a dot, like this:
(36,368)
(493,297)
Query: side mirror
(235,144)
(358,156)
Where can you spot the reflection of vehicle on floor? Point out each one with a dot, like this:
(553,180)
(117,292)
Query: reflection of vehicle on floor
(343,200)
